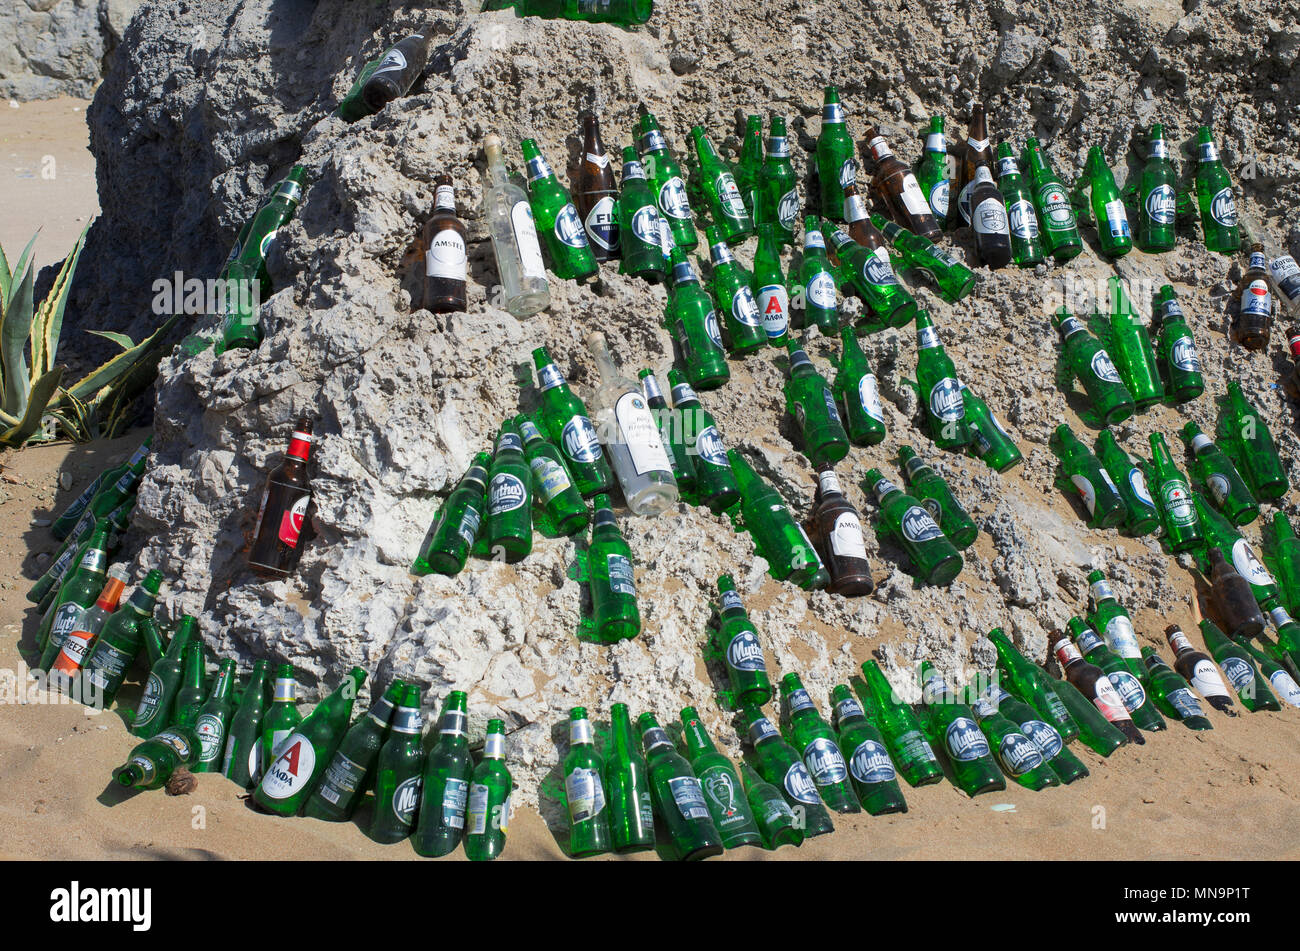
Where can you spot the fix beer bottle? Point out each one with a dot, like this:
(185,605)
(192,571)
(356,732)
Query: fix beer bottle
(584,790)
(614,611)
(1254,311)
(742,324)
(1158,202)
(908,746)
(726,206)
(1016,753)
(672,433)
(566,422)
(1091,681)
(936,377)
(933,556)
(557,219)
(817,280)
(445,788)
(445,263)
(283,716)
(1174,497)
(933,492)
(551,483)
(770,286)
(243,757)
(778,193)
(666,177)
(1022,220)
(1243,676)
(1172,694)
(1108,212)
(1137,360)
(779,764)
(898,189)
(1049,743)
(1052,204)
(120,640)
(511,226)
(715,483)
(154,713)
(214,718)
(1214,197)
(677,795)
(953,724)
(693,322)
(459,520)
(778,537)
(1128,686)
(509,499)
(397,72)
(1198,670)
(866,269)
(870,769)
(809,400)
(1226,486)
(1127,475)
(735,640)
(1032,686)
(1080,467)
(821,755)
(399,773)
(283,514)
(351,769)
(627,785)
(989,440)
(638,224)
(836,165)
(489,799)
(1177,350)
(724,796)
(952,279)
(855,384)
(776,820)
(595,193)
(1251,445)
(932,171)
(158,758)
(838,536)
(1087,361)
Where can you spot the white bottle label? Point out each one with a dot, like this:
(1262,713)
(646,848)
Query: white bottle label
(821,290)
(846,537)
(1086,491)
(1248,565)
(1117,219)
(869,397)
(1285,687)
(1206,680)
(990,217)
(585,793)
(774,308)
(446,257)
(913,198)
(1104,367)
(295,761)
(637,430)
(531,264)
(1121,637)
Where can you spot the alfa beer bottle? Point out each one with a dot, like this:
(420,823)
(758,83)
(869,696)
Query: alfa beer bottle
(613,583)
(1107,207)
(933,492)
(283,514)
(780,765)
(120,639)
(693,322)
(1158,200)
(898,189)
(1214,197)
(1022,220)
(715,483)
(933,556)
(511,227)
(1127,475)
(566,422)
(509,499)
(742,324)
(1052,204)
(726,206)
(837,533)
(457,526)
(770,287)
(1172,694)
(817,280)
(809,400)
(638,224)
(953,724)
(735,641)
(1251,445)
(551,483)
(870,769)
(1087,360)
(283,716)
(1174,498)
(584,791)
(1136,358)
(157,759)
(666,178)
(936,377)
(952,279)
(908,746)
(1177,350)
(489,799)
(989,440)
(1198,670)
(214,717)
(778,537)
(932,171)
(1226,486)
(445,263)
(398,773)
(724,797)
(595,193)
(836,165)
(154,714)
(445,789)
(243,757)
(557,219)
(627,784)
(351,770)
(856,385)
(1032,686)
(677,795)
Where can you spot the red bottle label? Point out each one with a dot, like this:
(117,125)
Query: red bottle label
(291,521)
(1294,344)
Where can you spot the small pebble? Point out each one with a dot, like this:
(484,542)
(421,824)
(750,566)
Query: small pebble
(65,480)
(42,522)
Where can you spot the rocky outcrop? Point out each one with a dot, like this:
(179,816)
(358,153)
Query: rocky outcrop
(54,48)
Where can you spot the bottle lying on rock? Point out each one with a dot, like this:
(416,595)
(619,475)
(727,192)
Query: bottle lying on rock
(821,754)
(779,764)
(933,556)
(934,493)
(551,483)
(837,533)
(1091,681)
(778,537)
(724,796)
(457,527)
(870,769)
(677,795)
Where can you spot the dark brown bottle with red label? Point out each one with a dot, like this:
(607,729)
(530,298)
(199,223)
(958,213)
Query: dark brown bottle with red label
(444,259)
(1293,345)
(595,193)
(837,535)
(283,525)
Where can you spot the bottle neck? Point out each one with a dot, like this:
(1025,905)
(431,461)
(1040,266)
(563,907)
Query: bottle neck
(299,446)
(445,199)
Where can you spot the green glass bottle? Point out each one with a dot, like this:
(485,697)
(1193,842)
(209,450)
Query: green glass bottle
(62,527)
(638,218)
(726,205)
(1240,670)
(809,400)
(627,784)
(715,483)
(1080,468)
(1198,670)
(1052,204)
(154,761)
(120,640)
(75,595)
(778,537)
(1279,679)
(1136,360)
(1129,687)
(776,820)
(870,275)
(193,686)
(945,410)
(243,757)
(214,716)
(1244,435)
(735,641)
(1113,230)
(154,714)
(1047,741)
(931,171)
(672,432)
(1095,731)
(933,556)
(951,278)
(933,492)
(749,163)
(292,776)
(778,193)
(1108,618)
(1236,551)
(1016,753)
(855,384)
(109,490)
(551,483)
(677,795)
(953,725)
(1282,555)
(742,324)
(1214,197)
(283,716)
(622,12)
(489,799)
(1225,485)
(908,746)
(1176,348)
(457,527)
(1087,361)
(1288,636)
(1032,686)
(817,280)
(1172,694)
(557,219)
(612,580)
(724,797)
(989,439)
(399,773)
(666,178)
(509,499)
(779,764)
(870,769)
(445,789)
(1126,473)
(694,323)
(1174,497)
(1158,202)
(351,769)
(769,287)
(811,734)
(1022,220)
(584,790)
(837,165)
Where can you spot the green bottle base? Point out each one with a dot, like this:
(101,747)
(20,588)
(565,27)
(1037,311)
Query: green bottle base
(945,571)
(514,549)
(611,632)
(719,503)
(924,779)
(1067,252)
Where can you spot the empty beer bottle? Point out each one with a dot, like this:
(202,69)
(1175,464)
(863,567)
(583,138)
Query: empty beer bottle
(109,490)
(908,746)
(63,525)
(933,556)
(1158,202)
(989,440)
(715,483)
(977,153)
(301,759)
(445,263)
(1136,359)
(1052,204)
(1126,473)
(445,789)
(1251,445)
(727,207)
(1237,666)
(63,564)
(510,225)
(1198,670)
(809,400)
(627,785)
(1214,197)
(1094,684)
(557,219)
(735,641)
(837,531)
(1174,497)
(867,271)
(157,759)
(930,487)
(551,483)
(870,769)
(566,422)
(351,769)
(898,189)
(1288,636)
(749,163)
(283,716)
(638,223)
(489,799)
(1100,495)
(672,433)
(952,279)
(1226,487)
(817,280)
(821,755)
(1129,687)
(769,287)
(584,791)
(776,820)
(120,640)
(595,193)
(154,714)
(857,220)
(243,757)
(778,195)
(780,765)
(666,178)
(509,499)
(1045,737)
(1254,312)
(1022,220)
(936,378)
(989,219)
(1282,683)
(1108,617)
(779,538)
(855,384)
(1016,753)
(214,716)
(1177,350)
(399,773)
(742,323)
(71,657)
(694,324)
(613,584)
(1095,731)
(1172,694)
(457,526)
(953,724)
(724,797)
(397,72)
(75,595)
(836,164)
(932,171)
(1108,212)
(193,687)
(1032,686)
(622,12)
(283,514)
(678,796)
(1087,360)
(1234,597)
(1282,555)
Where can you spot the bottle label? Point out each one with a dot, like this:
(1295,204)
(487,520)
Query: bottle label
(918,525)
(877,270)
(825,762)
(1104,368)
(1183,355)
(478,807)
(455,794)
(1161,204)
(800,786)
(870,763)
(1100,590)
(1185,702)
(1121,637)
(813,239)
(773,307)
(869,397)
(787,210)
(446,256)
(912,198)
(178,742)
(778,146)
(719,784)
(946,401)
(579,440)
(1018,754)
(848,707)
(211,732)
(689,797)
(1057,214)
(1238,672)
(1044,737)
(291,521)
(1285,687)
(854,208)
(820,291)
(1249,566)
(549,477)
(964,740)
(745,308)
(832,412)
(506,493)
(990,217)
(1116,219)
(647,811)
(708,444)
(1021,219)
(1129,689)
(393,62)
(406,799)
(1223,208)
(342,779)
(1008,166)
(640,435)
(1286,275)
(294,764)
(538,168)
(673,201)
(733,206)
(585,793)
(149,701)
(652,141)
(1138,483)
(846,537)
(744,653)
(939,198)
(1176,499)
(620,575)
(666,242)
(1219,487)
(1086,491)
(926,338)
(1256,300)
(1108,701)
(601,225)
(568,227)
(799,700)
(711,328)
(531,265)
(1279,617)
(1206,679)
(645,225)
(832,113)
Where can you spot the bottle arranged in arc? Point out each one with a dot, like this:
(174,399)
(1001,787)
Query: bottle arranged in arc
(666,177)
(1095,685)
(351,769)
(1246,438)
(566,421)
(779,538)
(1214,197)
(1060,231)
(627,786)
(1238,552)
(1227,489)
(1046,739)
(612,580)
(932,171)
(445,261)
(1015,752)
(1129,687)
(726,206)
(1282,683)
(622,12)
(809,400)
(399,773)
(1022,220)
(936,377)
(1095,731)
(1176,348)
(817,280)
(639,224)
(458,523)
(193,688)
(865,268)
(935,559)
(1172,694)
(778,193)
(672,433)
(837,533)
(953,725)
(110,489)
(1254,312)
(584,790)
(282,717)
(1087,361)
(677,795)
(776,820)
(242,764)
(509,498)
(1251,687)
(551,482)
(837,165)
(990,441)
(742,323)
(1100,495)
(1032,685)
(1233,597)
(1113,230)
(780,764)
(694,324)
(1174,497)
(1109,618)
(735,641)
(154,714)
(870,769)
(898,189)
(595,193)
(120,640)
(489,799)
(715,483)
(811,734)
(724,796)
(1132,343)
(989,220)
(152,763)
(856,386)
(769,287)
(951,277)
(1197,669)
(213,719)
(1288,636)
(749,162)
(78,593)
(513,230)
(68,663)
(1128,476)
(448,770)
(557,220)
(284,516)
(909,747)
(976,154)
(1158,201)
(934,493)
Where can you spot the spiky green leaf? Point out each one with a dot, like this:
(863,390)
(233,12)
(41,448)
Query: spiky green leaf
(89,385)
(7,275)
(122,340)
(42,392)
(49,317)
(14,331)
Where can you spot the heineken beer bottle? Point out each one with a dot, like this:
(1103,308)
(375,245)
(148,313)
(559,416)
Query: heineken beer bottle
(1052,204)
(457,526)
(398,773)
(154,714)
(557,219)
(489,799)
(933,556)
(510,225)
(724,796)
(836,165)
(352,767)
(509,499)
(566,422)
(870,769)
(736,641)
(1173,496)
(613,583)
(589,832)
(1214,197)
(445,788)
(627,784)
(157,759)
(749,162)
(214,717)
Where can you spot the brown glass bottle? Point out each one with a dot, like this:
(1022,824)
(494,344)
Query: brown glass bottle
(283,525)
(978,152)
(858,219)
(1293,347)
(1254,308)
(1234,598)
(837,535)
(595,193)
(899,191)
(1198,670)
(1091,681)
(398,70)
(444,259)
